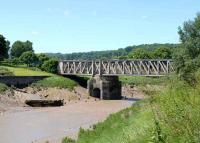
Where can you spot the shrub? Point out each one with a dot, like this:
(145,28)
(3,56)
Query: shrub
(50,66)
(68,140)
(29,58)
(186,59)
(3,87)
(41,59)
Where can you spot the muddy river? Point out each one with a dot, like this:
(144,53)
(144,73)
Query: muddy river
(53,123)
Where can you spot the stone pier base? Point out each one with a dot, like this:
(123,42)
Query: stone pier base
(104,87)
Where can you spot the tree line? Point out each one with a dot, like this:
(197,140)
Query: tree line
(144,51)
(22,53)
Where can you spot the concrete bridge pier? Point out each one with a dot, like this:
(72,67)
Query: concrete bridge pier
(105,87)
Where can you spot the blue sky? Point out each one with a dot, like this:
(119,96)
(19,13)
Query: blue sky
(67,26)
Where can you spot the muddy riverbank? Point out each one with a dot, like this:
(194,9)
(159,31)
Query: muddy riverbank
(24,124)
(54,123)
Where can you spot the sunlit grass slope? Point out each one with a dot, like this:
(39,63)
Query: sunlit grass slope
(52,81)
(19,71)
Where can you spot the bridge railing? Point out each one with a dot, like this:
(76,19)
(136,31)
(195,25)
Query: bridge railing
(144,67)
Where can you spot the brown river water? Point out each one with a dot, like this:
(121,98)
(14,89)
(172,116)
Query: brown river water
(53,123)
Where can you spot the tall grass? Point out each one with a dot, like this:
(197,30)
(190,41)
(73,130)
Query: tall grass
(177,111)
(138,80)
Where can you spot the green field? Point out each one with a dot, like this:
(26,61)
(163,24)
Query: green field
(20,71)
(51,81)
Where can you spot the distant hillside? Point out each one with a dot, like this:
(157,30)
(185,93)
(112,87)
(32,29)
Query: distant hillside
(107,54)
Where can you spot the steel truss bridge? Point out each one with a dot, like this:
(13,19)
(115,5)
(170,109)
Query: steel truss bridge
(147,67)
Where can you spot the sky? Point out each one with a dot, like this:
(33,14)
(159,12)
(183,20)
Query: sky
(66,26)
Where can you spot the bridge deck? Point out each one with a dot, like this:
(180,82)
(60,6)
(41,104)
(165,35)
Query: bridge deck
(155,67)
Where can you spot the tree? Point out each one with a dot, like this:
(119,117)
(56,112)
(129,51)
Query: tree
(140,54)
(187,59)
(41,59)
(3,47)
(19,47)
(163,52)
(29,58)
(50,66)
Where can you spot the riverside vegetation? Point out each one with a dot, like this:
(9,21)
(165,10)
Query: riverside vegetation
(169,115)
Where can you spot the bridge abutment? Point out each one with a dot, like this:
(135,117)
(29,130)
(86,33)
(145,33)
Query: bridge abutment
(105,87)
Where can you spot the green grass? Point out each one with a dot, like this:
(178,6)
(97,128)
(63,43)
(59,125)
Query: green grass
(3,87)
(20,71)
(168,116)
(55,81)
(51,81)
(129,125)
(138,80)
(5,72)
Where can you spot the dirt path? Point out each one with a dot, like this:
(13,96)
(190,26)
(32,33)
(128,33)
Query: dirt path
(42,124)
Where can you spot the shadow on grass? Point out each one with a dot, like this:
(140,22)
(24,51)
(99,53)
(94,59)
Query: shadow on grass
(82,81)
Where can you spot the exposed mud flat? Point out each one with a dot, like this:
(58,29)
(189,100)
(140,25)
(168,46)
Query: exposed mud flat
(53,124)
(24,124)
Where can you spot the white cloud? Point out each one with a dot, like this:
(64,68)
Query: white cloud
(144,17)
(58,11)
(34,32)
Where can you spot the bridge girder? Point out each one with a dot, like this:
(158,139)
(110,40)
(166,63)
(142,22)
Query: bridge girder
(152,67)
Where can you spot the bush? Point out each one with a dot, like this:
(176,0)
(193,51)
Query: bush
(68,140)
(3,87)
(50,66)
(41,59)
(11,62)
(29,58)
(186,59)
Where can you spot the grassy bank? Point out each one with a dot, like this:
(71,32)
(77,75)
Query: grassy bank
(23,71)
(139,80)
(52,81)
(55,81)
(168,116)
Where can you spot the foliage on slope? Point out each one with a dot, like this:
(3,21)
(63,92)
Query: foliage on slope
(109,54)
